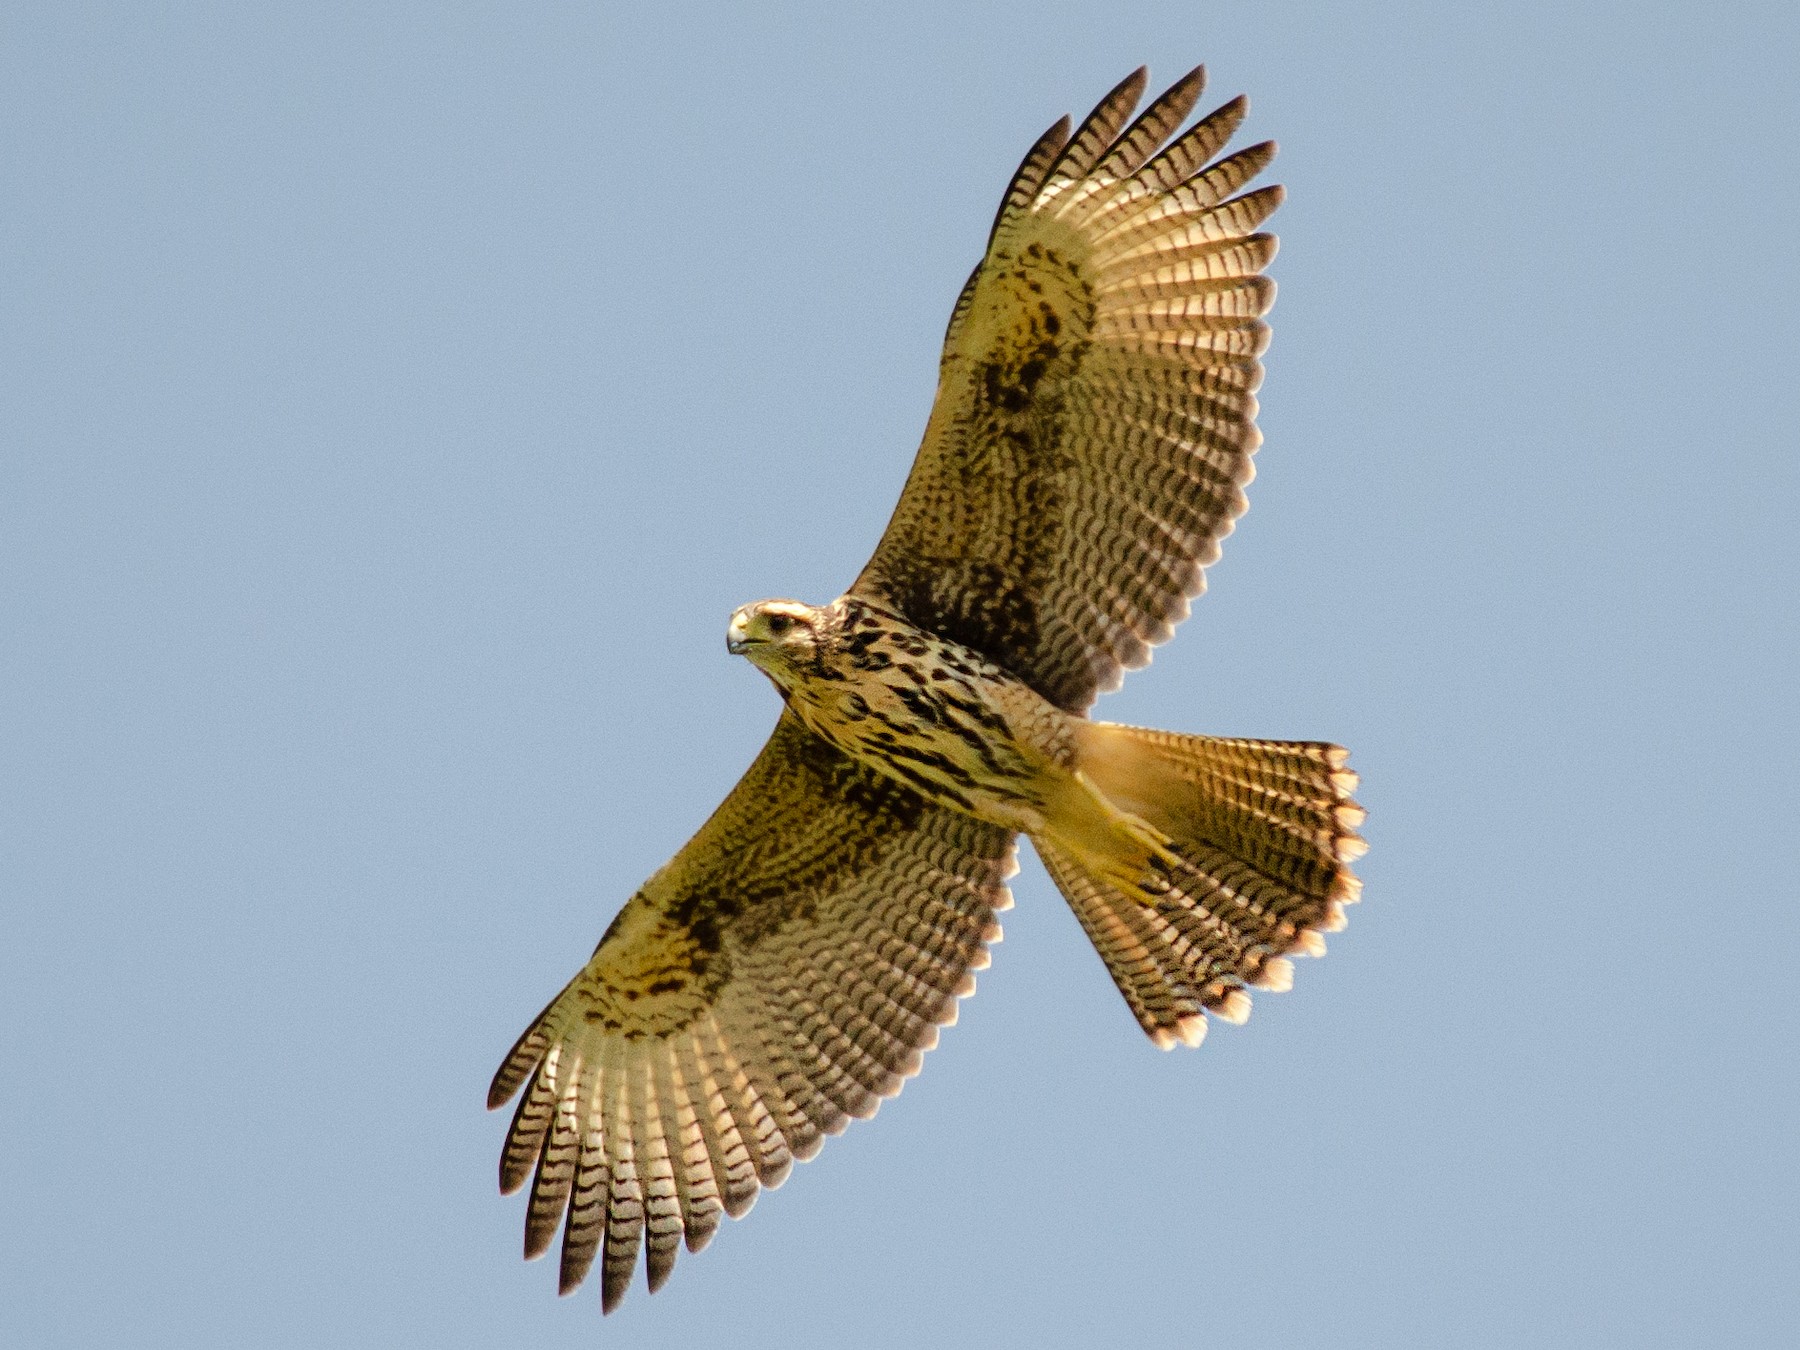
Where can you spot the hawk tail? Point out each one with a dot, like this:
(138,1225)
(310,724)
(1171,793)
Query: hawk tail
(1199,864)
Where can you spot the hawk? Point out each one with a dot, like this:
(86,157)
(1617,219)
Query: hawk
(788,968)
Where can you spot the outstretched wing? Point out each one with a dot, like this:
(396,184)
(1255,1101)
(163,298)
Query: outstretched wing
(1096,406)
(784,972)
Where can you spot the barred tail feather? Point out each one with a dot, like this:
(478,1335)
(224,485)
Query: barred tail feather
(1243,850)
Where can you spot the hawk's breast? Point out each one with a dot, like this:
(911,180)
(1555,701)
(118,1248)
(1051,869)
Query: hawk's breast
(937,716)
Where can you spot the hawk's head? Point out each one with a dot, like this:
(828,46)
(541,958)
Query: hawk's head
(778,636)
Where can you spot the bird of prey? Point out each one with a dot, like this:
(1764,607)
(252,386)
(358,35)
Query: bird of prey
(787,969)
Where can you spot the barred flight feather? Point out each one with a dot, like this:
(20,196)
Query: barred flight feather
(691,1170)
(662,1210)
(555,1172)
(700,1180)
(624,1205)
(585,1221)
(1095,136)
(1029,177)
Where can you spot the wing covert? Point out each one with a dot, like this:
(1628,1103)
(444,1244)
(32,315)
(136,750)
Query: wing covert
(1095,413)
(783,973)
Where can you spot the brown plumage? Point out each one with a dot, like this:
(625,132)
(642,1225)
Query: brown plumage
(788,968)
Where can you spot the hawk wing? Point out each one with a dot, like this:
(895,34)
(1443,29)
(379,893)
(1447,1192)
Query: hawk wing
(1096,407)
(784,972)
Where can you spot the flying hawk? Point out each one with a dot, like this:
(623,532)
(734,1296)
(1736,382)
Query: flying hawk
(788,968)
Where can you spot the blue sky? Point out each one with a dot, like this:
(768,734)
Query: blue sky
(398,400)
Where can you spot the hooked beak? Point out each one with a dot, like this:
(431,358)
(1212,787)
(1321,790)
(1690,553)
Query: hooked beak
(737,639)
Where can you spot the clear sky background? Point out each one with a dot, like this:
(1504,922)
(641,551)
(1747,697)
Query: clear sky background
(397,400)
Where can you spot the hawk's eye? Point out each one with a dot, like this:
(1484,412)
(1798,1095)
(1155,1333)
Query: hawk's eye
(780,623)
